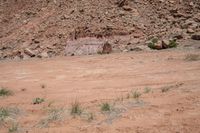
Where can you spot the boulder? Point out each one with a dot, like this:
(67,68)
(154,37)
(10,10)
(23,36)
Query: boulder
(196,36)
(190,31)
(127,8)
(43,55)
(165,43)
(107,48)
(158,45)
(87,46)
(29,52)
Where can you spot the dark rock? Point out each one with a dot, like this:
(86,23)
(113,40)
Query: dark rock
(107,48)
(127,8)
(165,43)
(196,36)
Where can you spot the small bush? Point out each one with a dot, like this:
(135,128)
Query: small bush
(152,42)
(4,113)
(136,94)
(147,90)
(165,89)
(76,109)
(105,107)
(5,92)
(13,128)
(151,45)
(54,114)
(90,116)
(173,44)
(38,100)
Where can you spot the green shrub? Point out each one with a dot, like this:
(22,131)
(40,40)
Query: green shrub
(154,40)
(147,90)
(5,92)
(4,113)
(165,89)
(38,100)
(90,116)
(13,128)
(76,109)
(152,43)
(105,107)
(136,94)
(173,44)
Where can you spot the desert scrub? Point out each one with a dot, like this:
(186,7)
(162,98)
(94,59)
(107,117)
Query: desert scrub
(152,43)
(136,94)
(90,116)
(157,44)
(54,114)
(8,113)
(14,128)
(172,43)
(5,92)
(147,90)
(4,113)
(105,107)
(165,89)
(76,108)
(38,100)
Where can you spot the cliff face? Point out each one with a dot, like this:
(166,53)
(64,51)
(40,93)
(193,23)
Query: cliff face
(44,26)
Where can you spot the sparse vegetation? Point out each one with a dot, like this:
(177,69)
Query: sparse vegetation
(76,108)
(90,116)
(170,44)
(147,90)
(192,57)
(165,89)
(5,92)
(105,107)
(136,94)
(13,128)
(173,43)
(10,113)
(152,43)
(4,113)
(38,100)
(53,115)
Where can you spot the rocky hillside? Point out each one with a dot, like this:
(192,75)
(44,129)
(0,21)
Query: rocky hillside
(41,28)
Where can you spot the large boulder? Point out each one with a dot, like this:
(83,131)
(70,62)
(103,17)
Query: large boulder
(29,52)
(196,36)
(87,46)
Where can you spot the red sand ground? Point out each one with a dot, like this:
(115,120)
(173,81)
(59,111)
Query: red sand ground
(92,80)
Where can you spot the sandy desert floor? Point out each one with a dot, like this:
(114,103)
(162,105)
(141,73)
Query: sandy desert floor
(154,92)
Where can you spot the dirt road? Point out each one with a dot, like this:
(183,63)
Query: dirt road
(168,85)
